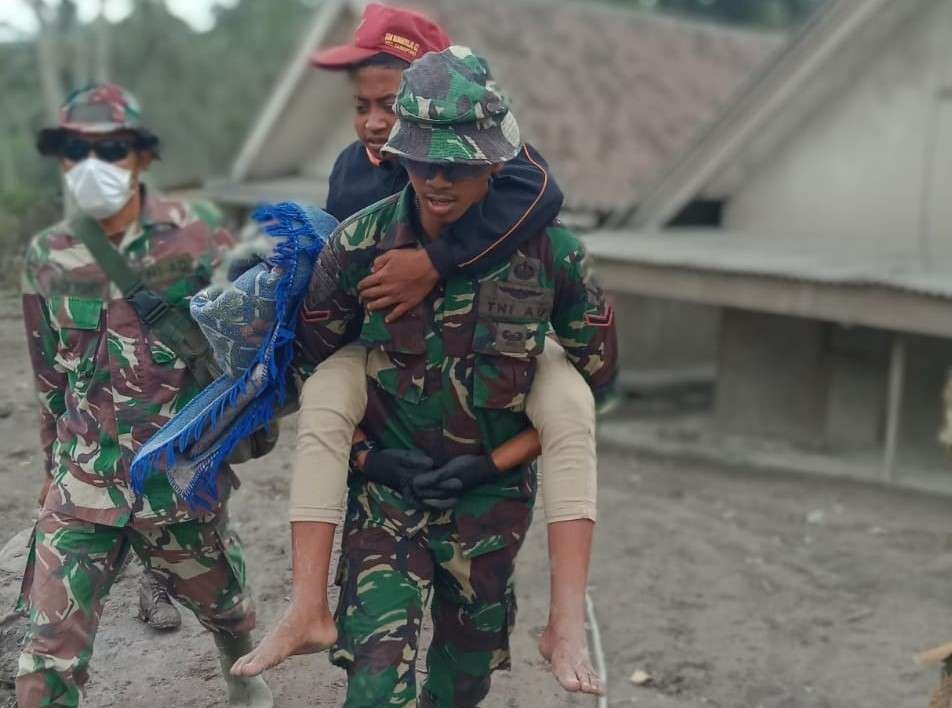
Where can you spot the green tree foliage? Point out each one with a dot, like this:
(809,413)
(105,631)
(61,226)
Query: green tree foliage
(200,92)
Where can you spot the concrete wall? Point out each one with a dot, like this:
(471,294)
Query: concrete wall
(663,340)
(927,361)
(875,164)
(771,378)
(823,386)
(857,360)
(320,161)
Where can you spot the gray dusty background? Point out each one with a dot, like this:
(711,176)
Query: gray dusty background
(731,589)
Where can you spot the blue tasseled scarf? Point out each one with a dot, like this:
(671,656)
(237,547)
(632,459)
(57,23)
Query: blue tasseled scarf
(233,407)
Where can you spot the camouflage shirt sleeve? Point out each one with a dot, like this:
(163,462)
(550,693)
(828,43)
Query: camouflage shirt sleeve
(42,340)
(582,317)
(331,313)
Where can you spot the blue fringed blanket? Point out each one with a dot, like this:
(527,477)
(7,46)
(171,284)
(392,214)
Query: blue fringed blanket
(250,326)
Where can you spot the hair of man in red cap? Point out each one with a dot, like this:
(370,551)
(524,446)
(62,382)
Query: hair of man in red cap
(387,40)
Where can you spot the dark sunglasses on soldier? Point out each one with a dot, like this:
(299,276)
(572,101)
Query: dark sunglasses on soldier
(78,149)
(451,171)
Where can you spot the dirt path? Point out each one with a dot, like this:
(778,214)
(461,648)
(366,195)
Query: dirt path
(730,589)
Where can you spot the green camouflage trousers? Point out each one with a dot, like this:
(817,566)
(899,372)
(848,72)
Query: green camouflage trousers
(71,569)
(393,560)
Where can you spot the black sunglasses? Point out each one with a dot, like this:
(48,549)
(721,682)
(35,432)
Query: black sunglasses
(77,149)
(451,171)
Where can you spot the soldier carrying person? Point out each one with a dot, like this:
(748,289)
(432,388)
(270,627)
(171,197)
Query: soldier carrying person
(442,494)
(522,201)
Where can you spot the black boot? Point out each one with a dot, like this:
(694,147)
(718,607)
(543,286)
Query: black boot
(155,607)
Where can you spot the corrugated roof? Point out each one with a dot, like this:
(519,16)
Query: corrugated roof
(818,261)
(609,95)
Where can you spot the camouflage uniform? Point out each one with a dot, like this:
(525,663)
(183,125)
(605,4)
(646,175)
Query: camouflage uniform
(449,379)
(105,385)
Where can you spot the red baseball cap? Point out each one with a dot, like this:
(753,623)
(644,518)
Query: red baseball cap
(401,33)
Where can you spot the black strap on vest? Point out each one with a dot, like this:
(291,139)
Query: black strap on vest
(171,325)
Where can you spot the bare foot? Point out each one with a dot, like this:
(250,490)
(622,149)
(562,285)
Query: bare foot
(567,653)
(297,632)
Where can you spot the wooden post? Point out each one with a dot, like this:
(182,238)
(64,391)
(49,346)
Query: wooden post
(897,371)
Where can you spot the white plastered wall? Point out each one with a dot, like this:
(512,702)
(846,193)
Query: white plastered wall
(867,166)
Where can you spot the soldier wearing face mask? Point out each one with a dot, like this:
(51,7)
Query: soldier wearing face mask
(106,381)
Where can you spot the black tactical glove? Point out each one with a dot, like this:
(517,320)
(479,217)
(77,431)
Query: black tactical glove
(396,469)
(441,488)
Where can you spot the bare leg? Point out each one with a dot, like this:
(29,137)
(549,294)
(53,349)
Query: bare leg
(307,626)
(564,642)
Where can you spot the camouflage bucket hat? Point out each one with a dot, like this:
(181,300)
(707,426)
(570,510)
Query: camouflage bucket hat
(449,109)
(101,108)
(97,108)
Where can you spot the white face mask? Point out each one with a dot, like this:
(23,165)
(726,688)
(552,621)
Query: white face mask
(100,188)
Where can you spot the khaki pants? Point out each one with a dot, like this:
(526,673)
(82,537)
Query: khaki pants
(560,406)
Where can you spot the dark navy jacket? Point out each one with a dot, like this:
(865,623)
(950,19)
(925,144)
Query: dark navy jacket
(523,200)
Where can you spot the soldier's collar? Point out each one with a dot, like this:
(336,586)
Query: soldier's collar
(404,230)
(158,210)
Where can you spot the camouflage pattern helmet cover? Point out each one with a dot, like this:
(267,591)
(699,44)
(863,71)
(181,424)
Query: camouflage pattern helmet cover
(449,109)
(96,108)
(100,108)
